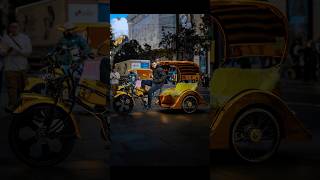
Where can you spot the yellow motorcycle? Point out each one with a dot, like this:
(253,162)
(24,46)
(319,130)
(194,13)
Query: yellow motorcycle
(43,128)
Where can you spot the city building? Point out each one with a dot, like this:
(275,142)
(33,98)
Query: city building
(303,16)
(149,28)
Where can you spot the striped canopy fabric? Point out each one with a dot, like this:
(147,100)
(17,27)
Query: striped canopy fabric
(187,70)
(251,28)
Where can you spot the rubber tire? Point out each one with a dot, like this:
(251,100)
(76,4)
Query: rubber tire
(30,162)
(237,121)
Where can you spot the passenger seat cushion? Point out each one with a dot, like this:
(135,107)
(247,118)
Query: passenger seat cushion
(227,82)
(178,90)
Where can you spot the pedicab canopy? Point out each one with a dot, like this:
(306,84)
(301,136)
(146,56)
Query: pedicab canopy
(185,70)
(251,28)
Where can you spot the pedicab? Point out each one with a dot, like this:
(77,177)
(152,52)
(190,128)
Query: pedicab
(44,128)
(183,96)
(248,115)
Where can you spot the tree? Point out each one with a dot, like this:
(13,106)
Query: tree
(130,50)
(190,42)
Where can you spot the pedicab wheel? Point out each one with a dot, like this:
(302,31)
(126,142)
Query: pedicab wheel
(123,104)
(189,104)
(41,136)
(255,135)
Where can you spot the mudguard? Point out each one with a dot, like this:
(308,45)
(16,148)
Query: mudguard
(222,120)
(119,93)
(178,102)
(29,99)
(32,82)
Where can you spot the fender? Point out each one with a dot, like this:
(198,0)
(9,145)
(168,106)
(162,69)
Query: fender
(178,103)
(291,128)
(30,99)
(32,82)
(119,93)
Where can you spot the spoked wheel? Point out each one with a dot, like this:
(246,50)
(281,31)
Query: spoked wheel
(255,135)
(42,136)
(190,104)
(123,104)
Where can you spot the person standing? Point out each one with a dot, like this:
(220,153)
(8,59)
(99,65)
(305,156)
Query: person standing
(114,80)
(310,61)
(15,62)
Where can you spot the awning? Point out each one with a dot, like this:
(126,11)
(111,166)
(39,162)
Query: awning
(251,28)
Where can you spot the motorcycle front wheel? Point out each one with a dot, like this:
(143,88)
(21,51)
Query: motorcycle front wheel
(43,135)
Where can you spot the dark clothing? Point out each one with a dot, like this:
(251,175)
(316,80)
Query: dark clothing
(15,84)
(310,64)
(153,89)
(159,76)
(146,82)
(1,77)
(104,71)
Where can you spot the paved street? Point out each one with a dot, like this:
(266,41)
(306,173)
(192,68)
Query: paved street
(294,160)
(160,137)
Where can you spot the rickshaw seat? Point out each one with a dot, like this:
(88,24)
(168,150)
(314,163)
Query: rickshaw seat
(227,82)
(179,89)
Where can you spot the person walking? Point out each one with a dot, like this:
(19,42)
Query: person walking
(15,62)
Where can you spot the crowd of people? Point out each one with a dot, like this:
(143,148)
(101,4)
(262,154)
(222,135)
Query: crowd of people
(305,59)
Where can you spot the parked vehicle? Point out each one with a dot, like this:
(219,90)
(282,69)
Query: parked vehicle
(183,96)
(43,128)
(248,114)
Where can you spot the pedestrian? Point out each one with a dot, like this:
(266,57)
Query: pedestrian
(310,61)
(114,80)
(15,62)
(296,52)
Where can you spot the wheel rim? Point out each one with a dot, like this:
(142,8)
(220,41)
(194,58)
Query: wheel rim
(189,104)
(256,135)
(38,143)
(123,104)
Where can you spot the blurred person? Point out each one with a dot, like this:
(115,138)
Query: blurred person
(77,45)
(114,80)
(19,48)
(310,61)
(296,53)
(2,50)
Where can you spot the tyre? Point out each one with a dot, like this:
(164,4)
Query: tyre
(123,104)
(43,135)
(190,104)
(255,135)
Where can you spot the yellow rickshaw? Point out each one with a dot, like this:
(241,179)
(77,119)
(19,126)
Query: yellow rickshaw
(185,94)
(248,116)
